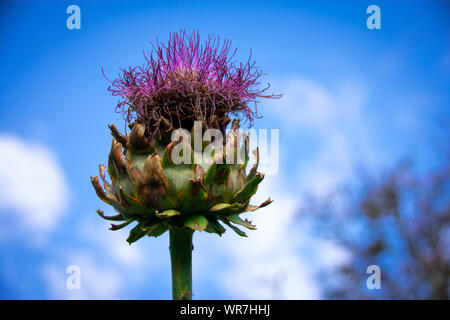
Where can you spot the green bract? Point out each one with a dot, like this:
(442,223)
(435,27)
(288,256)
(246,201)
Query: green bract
(148,187)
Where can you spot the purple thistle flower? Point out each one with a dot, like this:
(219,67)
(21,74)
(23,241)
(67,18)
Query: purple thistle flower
(184,81)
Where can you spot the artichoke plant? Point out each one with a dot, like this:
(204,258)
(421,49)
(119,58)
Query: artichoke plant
(194,89)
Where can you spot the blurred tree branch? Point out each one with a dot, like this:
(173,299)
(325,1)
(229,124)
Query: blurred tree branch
(399,222)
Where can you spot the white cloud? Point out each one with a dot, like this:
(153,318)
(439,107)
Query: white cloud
(95,231)
(280,260)
(336,121)
(311,104)
(140,263)
(32,184)
(106,260)
(267,264)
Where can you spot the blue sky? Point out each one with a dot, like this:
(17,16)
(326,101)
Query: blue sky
(353,97)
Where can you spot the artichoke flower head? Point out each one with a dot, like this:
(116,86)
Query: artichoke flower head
(183,90)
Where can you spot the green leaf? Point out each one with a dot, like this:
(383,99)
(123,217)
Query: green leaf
(115,227)
(156,229)
(111,218)
(225,208)
(237,220)
(196,222)
(136,233)
(178,175)
(215,227)
(262,205)
(220,206)
(217,174)
(168,213)
(244,150)
(133,205)
(234,228)
(249,189)
(193,197)
(253,171)
(165,159)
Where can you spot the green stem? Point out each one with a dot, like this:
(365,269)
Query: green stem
(181,259)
